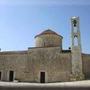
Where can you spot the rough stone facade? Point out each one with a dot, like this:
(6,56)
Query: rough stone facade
(55,64)
(12,61)
(27,65)
(86,65)
(47,62)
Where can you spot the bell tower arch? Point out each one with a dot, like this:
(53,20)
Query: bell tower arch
(77,73)
(76,39)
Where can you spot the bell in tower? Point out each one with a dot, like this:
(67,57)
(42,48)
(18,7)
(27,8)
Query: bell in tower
(74,23)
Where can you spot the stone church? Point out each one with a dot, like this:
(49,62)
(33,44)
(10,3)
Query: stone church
(47,61)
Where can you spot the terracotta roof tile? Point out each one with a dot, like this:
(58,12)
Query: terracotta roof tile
(47,32)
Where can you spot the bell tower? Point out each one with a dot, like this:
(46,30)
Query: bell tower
(77,73)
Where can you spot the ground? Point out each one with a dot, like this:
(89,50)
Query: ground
(85,83)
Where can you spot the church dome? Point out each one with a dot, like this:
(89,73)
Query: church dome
(47,32)
(48,38)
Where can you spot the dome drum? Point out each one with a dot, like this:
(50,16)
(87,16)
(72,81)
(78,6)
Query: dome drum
(48,38)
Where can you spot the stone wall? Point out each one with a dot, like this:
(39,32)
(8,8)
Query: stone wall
(48,41)
(86,65)
(57,65)
(14,61)
(27,65)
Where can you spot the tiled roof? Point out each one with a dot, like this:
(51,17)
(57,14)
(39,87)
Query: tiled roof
(47,32)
